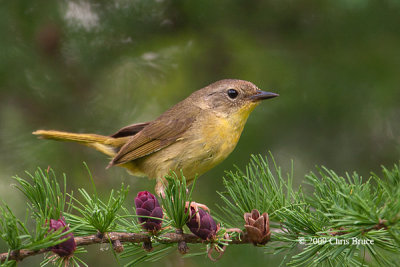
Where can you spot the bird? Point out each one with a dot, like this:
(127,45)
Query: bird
(191,137)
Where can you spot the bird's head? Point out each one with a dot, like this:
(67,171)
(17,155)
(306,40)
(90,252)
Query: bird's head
(230,97)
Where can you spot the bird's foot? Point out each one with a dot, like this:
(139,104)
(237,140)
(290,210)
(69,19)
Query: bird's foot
(196,206)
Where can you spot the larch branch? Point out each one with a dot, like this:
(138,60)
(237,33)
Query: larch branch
(119,237)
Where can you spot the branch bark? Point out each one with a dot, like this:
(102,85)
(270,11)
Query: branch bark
(167,238)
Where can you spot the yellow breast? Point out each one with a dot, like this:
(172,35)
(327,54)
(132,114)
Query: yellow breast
(217,137)
(209,141)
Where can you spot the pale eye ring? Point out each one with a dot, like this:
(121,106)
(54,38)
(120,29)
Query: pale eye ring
(232,93)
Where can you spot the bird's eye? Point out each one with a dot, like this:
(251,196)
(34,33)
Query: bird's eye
(232,93)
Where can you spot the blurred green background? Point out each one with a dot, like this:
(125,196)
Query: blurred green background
(96,66)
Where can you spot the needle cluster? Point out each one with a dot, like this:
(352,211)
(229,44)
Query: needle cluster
(335,220)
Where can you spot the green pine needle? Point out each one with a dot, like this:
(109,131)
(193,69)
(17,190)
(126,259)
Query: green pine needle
(337,208)
(257,188)
(44,193)
(96,215)
(176,198)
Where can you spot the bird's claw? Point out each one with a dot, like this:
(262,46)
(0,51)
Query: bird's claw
(196,207)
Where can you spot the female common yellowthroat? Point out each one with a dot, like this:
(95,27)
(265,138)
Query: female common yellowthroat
(193,136)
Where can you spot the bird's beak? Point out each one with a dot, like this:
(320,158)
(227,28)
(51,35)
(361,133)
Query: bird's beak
(261,95)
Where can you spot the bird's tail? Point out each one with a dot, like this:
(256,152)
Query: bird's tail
(105,144)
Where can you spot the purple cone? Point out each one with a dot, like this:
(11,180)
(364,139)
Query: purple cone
(147,205)
(66,248)
(205,229)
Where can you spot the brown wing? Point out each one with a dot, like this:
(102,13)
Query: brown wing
(130,130)
(156,135)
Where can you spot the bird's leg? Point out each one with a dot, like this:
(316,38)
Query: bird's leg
(160,187)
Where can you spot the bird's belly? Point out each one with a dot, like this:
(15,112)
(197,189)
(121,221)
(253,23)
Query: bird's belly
(195,153)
